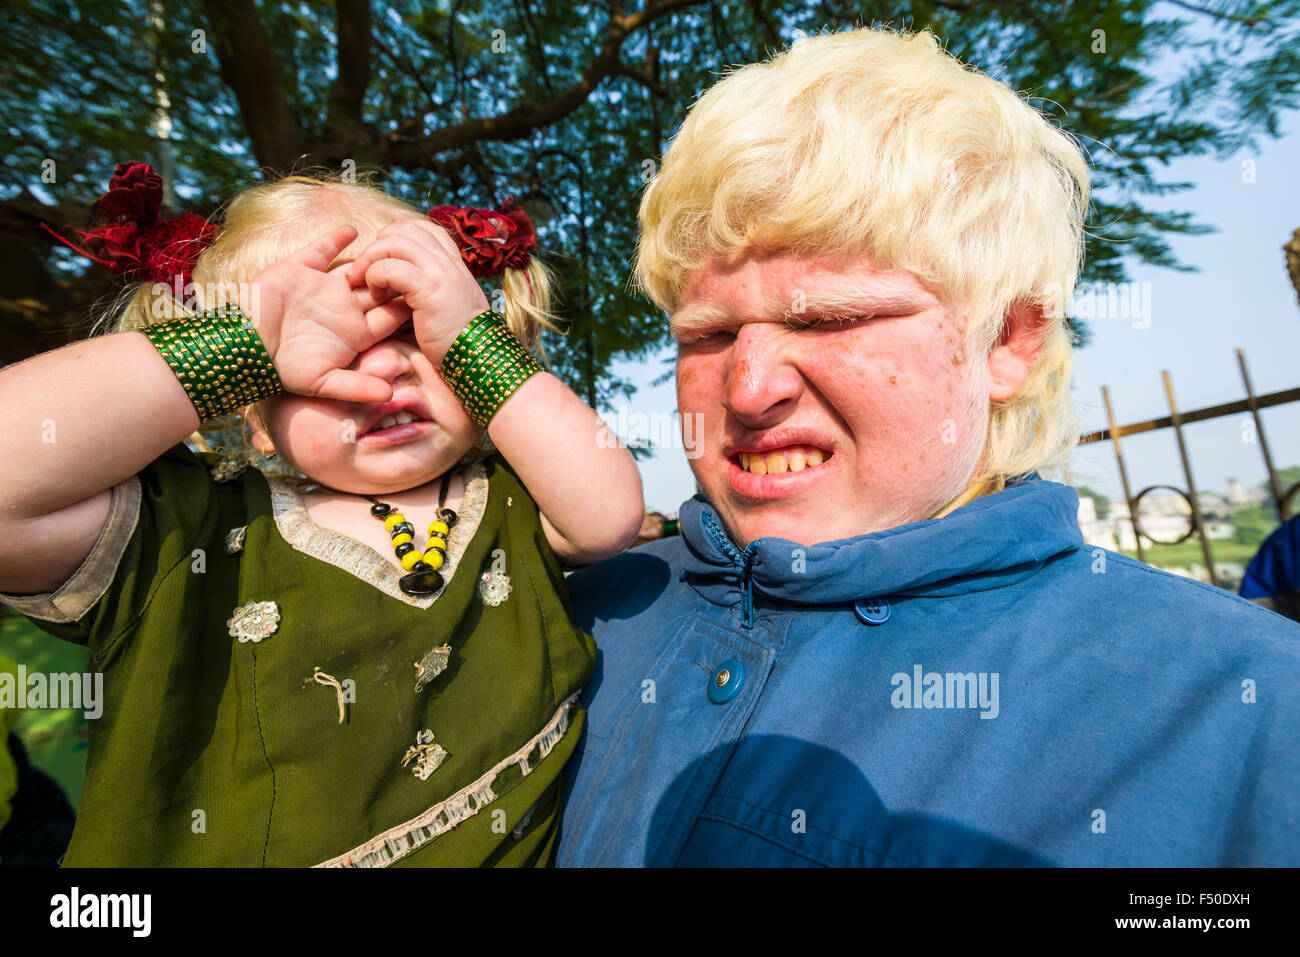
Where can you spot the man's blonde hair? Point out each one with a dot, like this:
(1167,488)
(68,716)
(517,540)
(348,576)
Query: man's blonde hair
(878,145)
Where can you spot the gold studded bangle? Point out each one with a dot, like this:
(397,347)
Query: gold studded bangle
(219,358)
(485,365)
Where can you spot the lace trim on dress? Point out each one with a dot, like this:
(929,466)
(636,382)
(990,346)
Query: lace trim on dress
(362,561)
(397,842)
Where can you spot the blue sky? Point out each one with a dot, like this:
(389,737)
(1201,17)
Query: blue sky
(1240,298)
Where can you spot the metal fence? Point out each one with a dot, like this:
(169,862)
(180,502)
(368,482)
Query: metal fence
(1283,499)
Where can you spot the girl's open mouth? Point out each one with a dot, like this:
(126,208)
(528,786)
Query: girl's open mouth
(396,428)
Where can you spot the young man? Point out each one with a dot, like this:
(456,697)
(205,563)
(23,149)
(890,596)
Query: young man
(881,638)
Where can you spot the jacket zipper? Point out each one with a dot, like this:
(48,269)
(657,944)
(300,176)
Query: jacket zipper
(742,560)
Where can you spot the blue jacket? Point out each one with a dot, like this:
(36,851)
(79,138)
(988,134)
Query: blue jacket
(1273,577)
(980,689)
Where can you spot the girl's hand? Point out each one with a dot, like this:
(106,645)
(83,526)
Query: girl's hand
(314,323)
(417,260)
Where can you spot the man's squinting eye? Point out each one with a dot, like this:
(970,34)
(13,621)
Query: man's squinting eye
(829,323)
(705,337)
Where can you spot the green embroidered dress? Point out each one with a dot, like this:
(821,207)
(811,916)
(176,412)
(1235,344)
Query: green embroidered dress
(216,750)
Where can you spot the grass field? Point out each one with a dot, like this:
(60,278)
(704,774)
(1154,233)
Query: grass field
(1188,553)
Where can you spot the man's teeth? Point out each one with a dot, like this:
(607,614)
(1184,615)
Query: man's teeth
(793,458)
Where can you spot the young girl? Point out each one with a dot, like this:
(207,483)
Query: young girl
(375,669)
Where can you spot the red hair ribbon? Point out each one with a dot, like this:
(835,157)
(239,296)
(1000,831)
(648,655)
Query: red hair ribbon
(133,241)
(490,240)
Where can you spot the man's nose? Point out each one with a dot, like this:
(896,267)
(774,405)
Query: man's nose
(762,384)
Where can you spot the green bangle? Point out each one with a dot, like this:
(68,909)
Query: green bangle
(219,358)
(485,365)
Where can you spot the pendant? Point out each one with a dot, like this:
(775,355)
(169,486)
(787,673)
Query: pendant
(420,583)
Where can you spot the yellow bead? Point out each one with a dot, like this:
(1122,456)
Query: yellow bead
(436,542)
(438,528)
(395,519)
(400,538)
(410,558)
(433,558)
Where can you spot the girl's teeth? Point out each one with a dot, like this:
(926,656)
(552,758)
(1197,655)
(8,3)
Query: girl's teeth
(388,421)
(403,417)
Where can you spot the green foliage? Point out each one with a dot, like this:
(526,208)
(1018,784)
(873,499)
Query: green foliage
(1253,524)
(55,739)
(1100,501)
(1286,478)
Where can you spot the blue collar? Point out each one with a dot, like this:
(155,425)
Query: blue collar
(989,542)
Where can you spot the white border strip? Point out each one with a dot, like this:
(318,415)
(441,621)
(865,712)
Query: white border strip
(397,842)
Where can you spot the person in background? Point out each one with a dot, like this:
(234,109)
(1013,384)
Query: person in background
(36,819)
(1273,576)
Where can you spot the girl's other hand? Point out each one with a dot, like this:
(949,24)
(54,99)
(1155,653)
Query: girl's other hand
(417,260)
(314,323)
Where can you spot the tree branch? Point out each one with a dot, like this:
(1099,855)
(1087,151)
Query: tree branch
(518,122)
(249,68)
(1246,21)
(644,74)
(402,62)
(348,93)
(530,30)
(762,17)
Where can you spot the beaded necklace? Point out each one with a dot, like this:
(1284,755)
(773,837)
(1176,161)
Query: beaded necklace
(423,577)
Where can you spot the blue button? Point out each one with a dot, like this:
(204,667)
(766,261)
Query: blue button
(872,611)
(727,681)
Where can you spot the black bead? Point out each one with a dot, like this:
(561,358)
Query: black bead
(421,567)
(402,527)
(447,516)
(403,548)
(379,509)
(424,581)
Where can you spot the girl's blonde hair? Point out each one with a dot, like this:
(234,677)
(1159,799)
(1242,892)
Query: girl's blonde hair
(271,221)
(879,145)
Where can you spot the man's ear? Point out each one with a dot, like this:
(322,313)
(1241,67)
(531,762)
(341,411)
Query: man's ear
(1021,342)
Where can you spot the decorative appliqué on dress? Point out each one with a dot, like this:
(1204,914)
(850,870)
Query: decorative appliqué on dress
(426,754)
(431,665)
(493,588)
(228,466)
(235,539)
(254,621)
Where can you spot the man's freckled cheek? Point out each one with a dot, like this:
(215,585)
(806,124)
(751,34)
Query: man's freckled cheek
(699,386)
(688,378)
